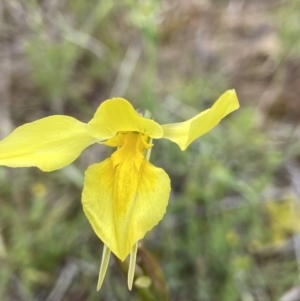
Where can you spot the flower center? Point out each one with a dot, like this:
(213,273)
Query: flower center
(131,146)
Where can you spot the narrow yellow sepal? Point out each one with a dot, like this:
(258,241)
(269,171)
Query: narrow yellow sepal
(49,143)
(103,267)
(131,269)
(184,133)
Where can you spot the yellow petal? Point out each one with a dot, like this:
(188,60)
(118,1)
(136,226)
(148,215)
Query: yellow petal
(49,143)
(123,203)
(184,133)
(118,115)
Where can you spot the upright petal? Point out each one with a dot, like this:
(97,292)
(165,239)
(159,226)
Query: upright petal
(122,205)
(118,115)
(184,133)
(49,143)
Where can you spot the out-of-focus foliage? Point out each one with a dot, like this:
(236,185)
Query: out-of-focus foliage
(230,232)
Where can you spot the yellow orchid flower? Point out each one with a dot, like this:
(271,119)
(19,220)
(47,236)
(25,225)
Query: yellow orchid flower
(124,196)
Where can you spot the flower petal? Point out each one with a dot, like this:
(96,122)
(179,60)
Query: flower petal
(118,115)
(184,133)
(49,143)
(122,205)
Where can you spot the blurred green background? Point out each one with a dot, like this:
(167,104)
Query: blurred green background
(232,224)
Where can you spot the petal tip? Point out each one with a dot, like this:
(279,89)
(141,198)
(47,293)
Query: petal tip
(234,98)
